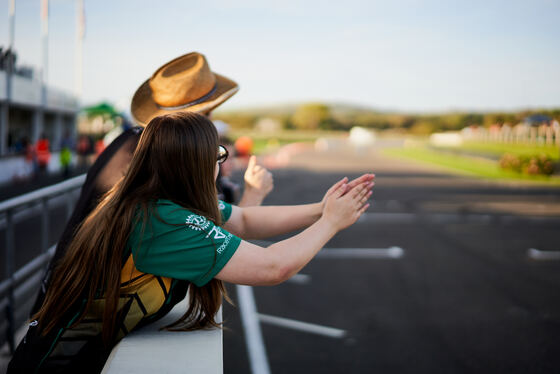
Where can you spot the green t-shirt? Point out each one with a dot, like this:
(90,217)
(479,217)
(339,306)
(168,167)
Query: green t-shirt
(182,245)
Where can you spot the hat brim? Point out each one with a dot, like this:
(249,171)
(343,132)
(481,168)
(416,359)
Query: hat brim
(143,107)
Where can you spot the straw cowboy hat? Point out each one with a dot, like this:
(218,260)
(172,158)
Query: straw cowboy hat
(185,84)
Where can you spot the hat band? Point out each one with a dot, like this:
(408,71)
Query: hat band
(197,101)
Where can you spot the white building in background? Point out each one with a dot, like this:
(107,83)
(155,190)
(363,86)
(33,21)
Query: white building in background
(446,139)
(361,137)
(27,114)
(29,109)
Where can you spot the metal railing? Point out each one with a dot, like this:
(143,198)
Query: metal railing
(19,284)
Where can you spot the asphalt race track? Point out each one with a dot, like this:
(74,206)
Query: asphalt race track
(474,289)
(443,274)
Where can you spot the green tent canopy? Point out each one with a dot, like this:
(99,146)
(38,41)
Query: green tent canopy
(101,109)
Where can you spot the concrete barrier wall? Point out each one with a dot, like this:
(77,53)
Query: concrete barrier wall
(149,350)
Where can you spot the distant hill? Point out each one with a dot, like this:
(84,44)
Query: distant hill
(343,116)
(289,109)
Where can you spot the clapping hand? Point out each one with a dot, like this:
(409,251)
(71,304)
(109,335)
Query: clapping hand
(344,206)
(367,180)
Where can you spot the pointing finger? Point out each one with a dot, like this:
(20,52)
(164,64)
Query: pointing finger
(252,162)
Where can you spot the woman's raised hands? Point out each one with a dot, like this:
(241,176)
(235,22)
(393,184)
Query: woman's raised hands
(344,205)
(349,186)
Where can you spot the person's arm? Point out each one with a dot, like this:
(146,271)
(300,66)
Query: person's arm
(254,265)
(258,184)
(260,222)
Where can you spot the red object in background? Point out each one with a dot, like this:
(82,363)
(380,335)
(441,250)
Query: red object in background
(30,153)
(43,152)
(243,146)
(83,146)
(99,147)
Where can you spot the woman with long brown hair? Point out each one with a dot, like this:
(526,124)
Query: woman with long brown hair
(160,231)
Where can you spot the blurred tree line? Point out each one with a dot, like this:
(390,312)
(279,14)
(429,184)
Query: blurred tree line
(319,116)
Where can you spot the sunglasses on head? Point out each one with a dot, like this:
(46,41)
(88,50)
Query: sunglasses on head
(222,154)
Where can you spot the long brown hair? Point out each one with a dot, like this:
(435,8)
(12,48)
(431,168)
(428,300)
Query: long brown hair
(175,159)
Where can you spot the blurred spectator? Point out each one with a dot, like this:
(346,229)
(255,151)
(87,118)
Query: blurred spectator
(65,160)
(43,153)
(83,150)
(66,154)
(99,147)
(30,158)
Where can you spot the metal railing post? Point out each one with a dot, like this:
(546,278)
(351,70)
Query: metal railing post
(10,266)
(21,282)
(69,204)
(44,224)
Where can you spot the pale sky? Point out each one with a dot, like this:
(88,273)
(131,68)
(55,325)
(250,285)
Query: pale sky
(392,55)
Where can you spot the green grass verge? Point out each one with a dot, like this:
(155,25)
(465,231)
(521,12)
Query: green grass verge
(467,165)
(516,149)
(262,145)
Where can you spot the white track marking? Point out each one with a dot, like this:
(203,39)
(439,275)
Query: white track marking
(252,328)
(388,218)
(367,253)
(300,279)
(302,326)
(449,218)
(536,254)
(251,319)
(345,253)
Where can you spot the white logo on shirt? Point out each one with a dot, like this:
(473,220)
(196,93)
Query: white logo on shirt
(197,222)
(224,244)
(221,205)
(218,234)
